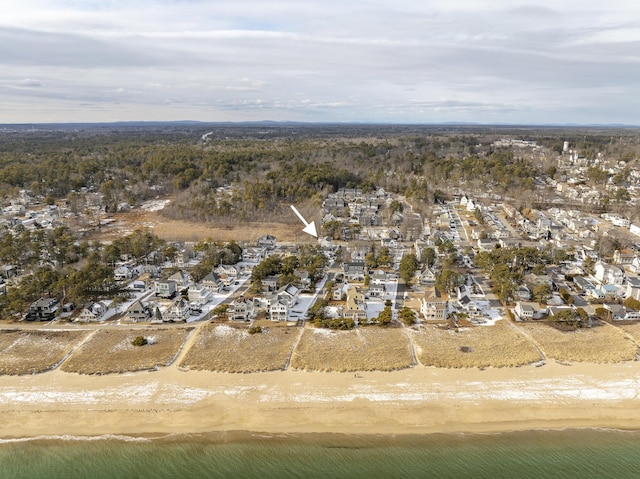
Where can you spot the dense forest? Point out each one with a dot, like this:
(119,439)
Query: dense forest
(230,173)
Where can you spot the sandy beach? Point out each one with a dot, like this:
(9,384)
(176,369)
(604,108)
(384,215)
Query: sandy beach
(416,400)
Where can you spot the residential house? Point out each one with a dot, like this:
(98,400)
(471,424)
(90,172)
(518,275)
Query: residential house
(228,274)
(136,313)
(633,288)
(469,306)
(377,283)
(270,283)
(584,284)
(181,279)
(427,277)
(355,307)
(92,312)
(524,293)
(433,305)
(267,241)
(241,309)
(485,244)
(44,309)
(608,274)
(624,257)
(289,293)
(635,265)
(278,309)
(253,255)
(179,311)
(123,273)
(213,282)
(305,279)
(199,295)
(616,311)
(526,310)
(165,289)
(354,271)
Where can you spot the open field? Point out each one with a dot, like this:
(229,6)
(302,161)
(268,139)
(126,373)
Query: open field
(364,349)
(175,230)
(473,347)
(231,349)
(112,351)
(599,344)
(28,352)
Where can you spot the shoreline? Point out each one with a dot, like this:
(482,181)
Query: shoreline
(419,400)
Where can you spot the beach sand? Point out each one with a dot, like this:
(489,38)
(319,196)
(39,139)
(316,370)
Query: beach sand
(417,400)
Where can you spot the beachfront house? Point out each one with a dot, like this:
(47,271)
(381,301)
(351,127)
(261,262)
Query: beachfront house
(92,312)
(44,309)
(526,310)
(433,305)
(241,309)
(136,313)
(179,311)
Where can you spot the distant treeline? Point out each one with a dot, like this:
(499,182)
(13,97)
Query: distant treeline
(268,167)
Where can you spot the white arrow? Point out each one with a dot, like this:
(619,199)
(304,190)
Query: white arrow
(309,228)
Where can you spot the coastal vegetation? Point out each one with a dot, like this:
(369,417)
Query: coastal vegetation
(32,352)
(112,351)
(473,346)
(600,344)
(236,349)
(365,349)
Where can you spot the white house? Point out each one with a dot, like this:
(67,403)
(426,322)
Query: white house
(433,305)
(608,274)
(278,309)
(529,310)
(241,309)
(92,312)
(213,282)
(199,295)
(178,311)
(123,273)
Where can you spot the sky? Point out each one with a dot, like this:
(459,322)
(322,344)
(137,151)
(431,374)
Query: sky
(378,61)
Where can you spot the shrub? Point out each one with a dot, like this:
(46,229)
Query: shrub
(139,341)
(255,329)
(632,304)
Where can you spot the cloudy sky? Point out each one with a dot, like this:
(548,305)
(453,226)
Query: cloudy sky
(414,61)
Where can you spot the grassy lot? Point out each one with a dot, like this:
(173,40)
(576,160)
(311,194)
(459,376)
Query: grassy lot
(364,349)
(112,351)
(473,346)
(29,351)
(230,348)
(599,344)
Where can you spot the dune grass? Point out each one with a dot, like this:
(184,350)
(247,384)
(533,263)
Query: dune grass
(364,349)
(32,351)
(473,346)
(112,351)
(601,343)
(230,348)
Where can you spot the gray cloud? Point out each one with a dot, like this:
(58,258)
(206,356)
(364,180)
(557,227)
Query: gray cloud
(375,60)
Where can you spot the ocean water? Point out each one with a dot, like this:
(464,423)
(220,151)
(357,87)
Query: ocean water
(566,454)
